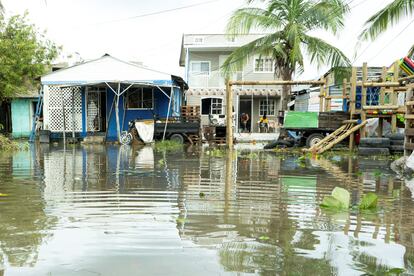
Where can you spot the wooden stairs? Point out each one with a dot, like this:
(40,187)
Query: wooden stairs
(336,137)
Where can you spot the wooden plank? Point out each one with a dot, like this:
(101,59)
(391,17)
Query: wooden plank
(353,91)
(409,116)
(409,103)
(409,132)
(379,84)
(382,92)
(321,97)
(409,146)
(342,137)
(344,88)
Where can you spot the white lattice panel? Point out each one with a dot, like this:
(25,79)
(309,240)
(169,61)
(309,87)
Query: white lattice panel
(71,95)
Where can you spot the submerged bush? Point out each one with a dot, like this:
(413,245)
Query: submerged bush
(167,146)
(6,144)
(216,153)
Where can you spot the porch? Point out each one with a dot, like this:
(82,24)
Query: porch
(100,97)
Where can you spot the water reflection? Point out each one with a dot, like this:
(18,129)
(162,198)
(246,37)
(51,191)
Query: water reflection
(118,210)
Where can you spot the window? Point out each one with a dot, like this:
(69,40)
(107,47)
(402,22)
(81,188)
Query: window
(267,106)
(263,65)
(200,68)
(198,40)
(140,98)
(211,106)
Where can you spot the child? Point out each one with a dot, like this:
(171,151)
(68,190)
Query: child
(264,122)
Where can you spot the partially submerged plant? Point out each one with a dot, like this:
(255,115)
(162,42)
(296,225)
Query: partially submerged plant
(339,199)
(6,144)
(368,202)
(167,146)
(216,152)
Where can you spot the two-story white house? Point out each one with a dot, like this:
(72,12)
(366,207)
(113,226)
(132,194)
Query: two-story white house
(202,55)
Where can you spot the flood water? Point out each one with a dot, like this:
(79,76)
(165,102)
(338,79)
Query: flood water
(109,210)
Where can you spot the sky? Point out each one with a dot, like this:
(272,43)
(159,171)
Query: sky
(138,30)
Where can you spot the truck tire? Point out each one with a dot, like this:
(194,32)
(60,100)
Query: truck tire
(177,138)
(365,151)
(278,144)
(396,148)
(396,136)
(374,142)
(313,139)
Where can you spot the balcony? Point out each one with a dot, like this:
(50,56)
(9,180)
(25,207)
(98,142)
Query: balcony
(214,79)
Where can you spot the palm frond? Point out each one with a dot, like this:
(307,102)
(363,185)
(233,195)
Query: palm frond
(325,14)
(244,20)
(322,53)
(1,9)
(388,16)
(238,58)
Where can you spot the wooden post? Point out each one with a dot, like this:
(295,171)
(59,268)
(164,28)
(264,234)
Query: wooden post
(344,88)
(382,93)
(364,97)
(352,98)
(229,115)
(321,96)
(394,97)
(408,122)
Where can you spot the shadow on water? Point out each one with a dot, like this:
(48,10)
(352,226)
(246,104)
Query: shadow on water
(109,210)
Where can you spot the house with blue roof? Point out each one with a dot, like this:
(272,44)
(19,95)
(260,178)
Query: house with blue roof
(100,97)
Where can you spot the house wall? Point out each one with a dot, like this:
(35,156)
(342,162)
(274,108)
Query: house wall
(160,110)
(215,79)
(22,113)
(255,116)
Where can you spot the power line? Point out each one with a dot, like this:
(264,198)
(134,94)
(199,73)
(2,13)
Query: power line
(156,12)
(392,40)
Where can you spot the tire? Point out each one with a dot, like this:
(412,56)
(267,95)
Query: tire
(374,142)
(397,142)
(365,151)
(396,136)
(177,138)
(126,138)
(397,148)
(313,139)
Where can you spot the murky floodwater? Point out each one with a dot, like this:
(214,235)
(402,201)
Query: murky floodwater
(121,211)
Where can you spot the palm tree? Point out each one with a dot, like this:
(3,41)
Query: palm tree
(287,24)
(388,16)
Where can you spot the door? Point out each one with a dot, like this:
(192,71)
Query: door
(245,106)
(94,109)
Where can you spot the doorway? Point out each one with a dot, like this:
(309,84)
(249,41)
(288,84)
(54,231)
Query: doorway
(245,106)
(96,109)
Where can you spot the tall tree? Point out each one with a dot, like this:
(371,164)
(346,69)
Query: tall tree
(25,54)
(386,17)
(287,24)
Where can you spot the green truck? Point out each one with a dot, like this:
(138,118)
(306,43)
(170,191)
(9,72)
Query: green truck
(313,126)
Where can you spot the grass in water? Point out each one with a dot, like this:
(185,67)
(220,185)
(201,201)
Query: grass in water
(6,144)
(167,146)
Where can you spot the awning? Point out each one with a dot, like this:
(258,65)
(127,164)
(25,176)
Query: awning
(238,91)
(108,69)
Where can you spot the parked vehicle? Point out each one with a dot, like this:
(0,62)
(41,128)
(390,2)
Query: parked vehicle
(178,129)
(312,127)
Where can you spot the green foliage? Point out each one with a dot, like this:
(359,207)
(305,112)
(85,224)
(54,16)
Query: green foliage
(25,54)
(216,153)
(167,146)
(288,24)
(386,17)
(201,195)
(338,200)
(369,201)
(161,162)
(8,145)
